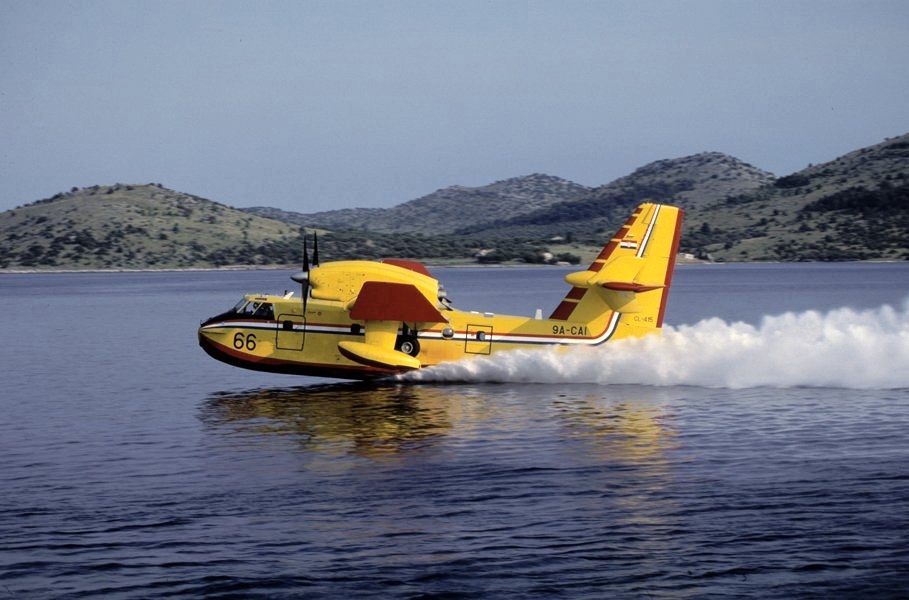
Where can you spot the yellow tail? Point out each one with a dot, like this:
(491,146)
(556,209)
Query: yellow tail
(631,275)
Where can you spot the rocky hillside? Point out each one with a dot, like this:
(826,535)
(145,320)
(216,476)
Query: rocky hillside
(853,207)
(137,227)
(444,211)
(693,182)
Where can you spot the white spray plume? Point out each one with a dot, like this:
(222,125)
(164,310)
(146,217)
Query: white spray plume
(843,348)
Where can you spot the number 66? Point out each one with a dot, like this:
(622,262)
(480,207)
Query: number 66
(249,341)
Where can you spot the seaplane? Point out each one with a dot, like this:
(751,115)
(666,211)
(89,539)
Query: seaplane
(360,319)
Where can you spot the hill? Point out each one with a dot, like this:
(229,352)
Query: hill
(693,182)
(855,207)
(138,227)
(851,208)
(443,211)
(151,227)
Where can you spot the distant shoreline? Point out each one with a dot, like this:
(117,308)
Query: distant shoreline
(234,268)
(148,270)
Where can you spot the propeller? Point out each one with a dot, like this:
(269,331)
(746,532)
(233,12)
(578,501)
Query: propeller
(303,276)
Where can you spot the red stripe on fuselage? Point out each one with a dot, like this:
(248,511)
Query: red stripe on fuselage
(567,306)
(232,357)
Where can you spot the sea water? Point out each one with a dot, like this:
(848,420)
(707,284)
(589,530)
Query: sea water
(757,448)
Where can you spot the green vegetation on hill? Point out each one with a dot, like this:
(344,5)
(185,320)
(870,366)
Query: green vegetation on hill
(152,227)
(444,211)
(857,224)
(136,227)
(855,207)
(852,208)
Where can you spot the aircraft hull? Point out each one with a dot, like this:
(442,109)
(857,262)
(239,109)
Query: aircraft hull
(323,346)
(366,320)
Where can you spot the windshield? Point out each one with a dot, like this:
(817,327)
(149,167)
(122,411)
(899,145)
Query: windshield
(257,310)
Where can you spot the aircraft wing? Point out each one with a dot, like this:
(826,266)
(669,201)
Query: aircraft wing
(384,306)
(400,302)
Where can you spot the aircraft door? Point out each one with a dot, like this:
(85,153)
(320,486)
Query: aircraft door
(479,339)
(290,332)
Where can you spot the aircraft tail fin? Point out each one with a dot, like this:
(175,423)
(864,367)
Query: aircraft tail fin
(632,273)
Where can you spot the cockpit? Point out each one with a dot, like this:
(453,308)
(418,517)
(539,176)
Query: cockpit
(254,309)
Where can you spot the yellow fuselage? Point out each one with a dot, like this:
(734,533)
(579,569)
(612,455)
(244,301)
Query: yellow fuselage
(365,319)
(290,343)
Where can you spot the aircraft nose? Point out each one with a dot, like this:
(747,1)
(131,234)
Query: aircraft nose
(221,317)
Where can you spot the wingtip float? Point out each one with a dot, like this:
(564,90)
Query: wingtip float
(364,319)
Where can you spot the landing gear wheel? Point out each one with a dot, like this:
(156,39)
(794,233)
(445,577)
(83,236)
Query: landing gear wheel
(408,345)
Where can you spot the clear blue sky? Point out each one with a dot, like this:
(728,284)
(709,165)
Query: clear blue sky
(309,105)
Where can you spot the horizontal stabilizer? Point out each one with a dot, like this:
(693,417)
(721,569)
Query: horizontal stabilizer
(376,356)
(383,301)
(580,279)
(637,288)
(620,275)
(622,268)
(625,302)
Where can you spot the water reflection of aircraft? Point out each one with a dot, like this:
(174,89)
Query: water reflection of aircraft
(623,424)
(628,423)
(365,319)
(362,418)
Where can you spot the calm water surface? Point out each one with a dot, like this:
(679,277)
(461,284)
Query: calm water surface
(133,466)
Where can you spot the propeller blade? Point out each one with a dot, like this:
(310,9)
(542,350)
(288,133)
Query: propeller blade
(315,249)
(303,276)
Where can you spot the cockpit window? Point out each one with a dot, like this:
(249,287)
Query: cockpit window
(254,309)
(265,311)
